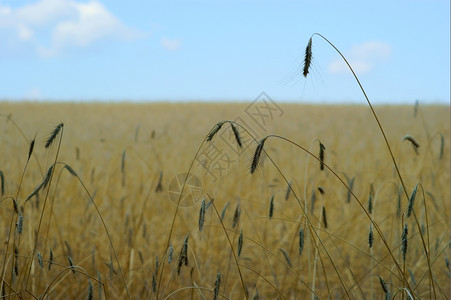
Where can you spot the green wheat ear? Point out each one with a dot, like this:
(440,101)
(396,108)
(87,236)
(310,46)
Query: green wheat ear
(307,58)
(215,130)
(217,285)
(257,154)
(53,135)
(237,135)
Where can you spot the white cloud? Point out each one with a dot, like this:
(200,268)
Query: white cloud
(362,58)
(171,44)
(24,32)
(44,12)
(54,26)
(4,10)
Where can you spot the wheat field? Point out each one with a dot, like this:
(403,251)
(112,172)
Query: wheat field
(102,212)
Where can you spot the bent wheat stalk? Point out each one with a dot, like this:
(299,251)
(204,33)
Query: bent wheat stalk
(307,63)
(208,138)
(375,225)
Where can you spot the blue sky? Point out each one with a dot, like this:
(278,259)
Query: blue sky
(224,50)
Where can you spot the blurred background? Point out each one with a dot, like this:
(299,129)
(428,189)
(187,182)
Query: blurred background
(78,50)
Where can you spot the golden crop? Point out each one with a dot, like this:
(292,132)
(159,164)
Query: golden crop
(118,170)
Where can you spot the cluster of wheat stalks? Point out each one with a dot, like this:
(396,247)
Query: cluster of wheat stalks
(351,215)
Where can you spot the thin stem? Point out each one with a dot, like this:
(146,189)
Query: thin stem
(174,218)
(372,110)
(33,252)
(108,234)
(379,231)
(231,247)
